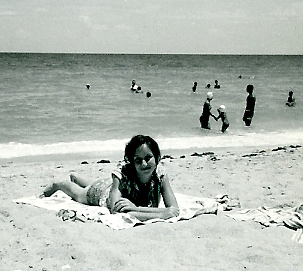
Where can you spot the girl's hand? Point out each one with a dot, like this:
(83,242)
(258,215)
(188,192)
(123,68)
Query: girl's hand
(170,212)
(124,205)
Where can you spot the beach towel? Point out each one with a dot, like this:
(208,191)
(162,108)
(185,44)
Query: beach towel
(190,207)
(291,218)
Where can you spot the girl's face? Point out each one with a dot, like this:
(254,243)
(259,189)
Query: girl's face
(145,163)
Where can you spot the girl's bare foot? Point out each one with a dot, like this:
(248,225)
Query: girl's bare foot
(49,190)
(73,178)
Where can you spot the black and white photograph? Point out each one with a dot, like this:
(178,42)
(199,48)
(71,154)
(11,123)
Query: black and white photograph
(151,135)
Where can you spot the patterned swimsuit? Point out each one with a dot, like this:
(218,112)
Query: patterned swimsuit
(147,196)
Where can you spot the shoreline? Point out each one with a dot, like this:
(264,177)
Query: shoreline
(117,155)
(36,239)
(218,140)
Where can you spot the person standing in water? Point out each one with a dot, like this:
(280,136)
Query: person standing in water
(250,105)
(194,88)
(222,115)
(206,113)
(216,84)
(291,101)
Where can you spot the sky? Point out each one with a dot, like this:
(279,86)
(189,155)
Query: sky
(152,26)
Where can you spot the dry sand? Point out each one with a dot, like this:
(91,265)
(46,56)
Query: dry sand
(36,239)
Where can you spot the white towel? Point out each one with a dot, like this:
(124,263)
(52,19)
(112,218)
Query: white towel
(189,208)
(291,218)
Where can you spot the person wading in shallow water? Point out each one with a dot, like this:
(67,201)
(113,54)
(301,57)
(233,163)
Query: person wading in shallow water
(216,84)
(206,113)
(134,86)
(291,101)
(194,88)
(250,105)
(222,115)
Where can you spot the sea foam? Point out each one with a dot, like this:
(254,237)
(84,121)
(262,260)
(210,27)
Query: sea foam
(12,149)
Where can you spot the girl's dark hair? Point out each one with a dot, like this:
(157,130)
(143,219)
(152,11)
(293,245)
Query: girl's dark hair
(136,142)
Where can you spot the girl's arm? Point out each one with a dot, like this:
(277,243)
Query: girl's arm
(168,194)
(144,213)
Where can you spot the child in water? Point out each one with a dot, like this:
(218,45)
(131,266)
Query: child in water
(139,90)
(136,186)
(222,115)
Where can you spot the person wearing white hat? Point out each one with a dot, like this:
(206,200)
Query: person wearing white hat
(209,95)
(222,115)
(206,112)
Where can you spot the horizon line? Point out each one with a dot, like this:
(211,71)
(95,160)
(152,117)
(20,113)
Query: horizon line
(94,53)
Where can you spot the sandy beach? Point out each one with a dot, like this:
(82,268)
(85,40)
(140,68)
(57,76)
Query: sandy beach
(36,239)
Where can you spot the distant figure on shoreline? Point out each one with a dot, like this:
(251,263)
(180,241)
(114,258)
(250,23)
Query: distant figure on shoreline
(134,86)
(207,86)
(206,113)
(250,105)
(88,86)
(216,84)
(194,88)
(222,115)
(291,101)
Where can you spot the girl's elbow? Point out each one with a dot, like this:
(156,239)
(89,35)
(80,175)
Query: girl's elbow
(174,211)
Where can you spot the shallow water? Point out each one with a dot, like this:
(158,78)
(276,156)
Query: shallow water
(46,108)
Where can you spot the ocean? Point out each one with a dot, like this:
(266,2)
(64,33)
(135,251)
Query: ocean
(45,107)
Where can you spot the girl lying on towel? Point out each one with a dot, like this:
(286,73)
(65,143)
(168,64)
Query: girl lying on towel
(136,186)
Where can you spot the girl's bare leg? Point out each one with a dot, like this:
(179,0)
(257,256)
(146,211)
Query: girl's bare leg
(79,181)
(73,190)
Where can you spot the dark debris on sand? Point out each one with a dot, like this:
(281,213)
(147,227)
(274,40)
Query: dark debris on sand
(273,150)
(202,154)
(167,157)
(103,161)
